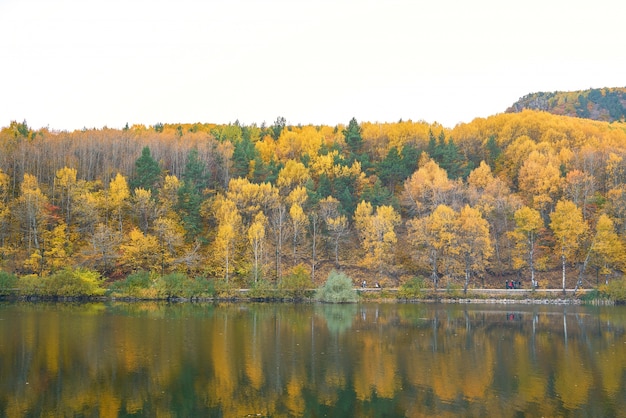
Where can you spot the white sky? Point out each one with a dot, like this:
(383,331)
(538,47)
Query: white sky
(69,64)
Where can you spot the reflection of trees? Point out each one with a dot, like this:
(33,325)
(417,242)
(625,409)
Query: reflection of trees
(292,360)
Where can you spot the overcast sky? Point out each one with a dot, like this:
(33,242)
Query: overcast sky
(94,63)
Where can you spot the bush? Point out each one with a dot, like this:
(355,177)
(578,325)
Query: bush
(412,289)
(262,289)
(65,283)
(135,285)
(337,289)
(297,282)
(615,290)
(8,282)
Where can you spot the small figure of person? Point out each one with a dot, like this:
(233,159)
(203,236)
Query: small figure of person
(363,284)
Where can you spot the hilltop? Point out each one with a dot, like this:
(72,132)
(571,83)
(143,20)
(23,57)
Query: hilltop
(605,104)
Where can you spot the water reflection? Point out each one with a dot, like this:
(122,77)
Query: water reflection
(152,359)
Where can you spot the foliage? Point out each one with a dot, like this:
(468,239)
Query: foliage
(135,285)
(296,283)
(412,288)
(180,285)
(238,201)
(65,283)
(338,288)
(262,289)
(8,283)
(615,290)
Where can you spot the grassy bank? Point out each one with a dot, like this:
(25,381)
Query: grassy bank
(338,288)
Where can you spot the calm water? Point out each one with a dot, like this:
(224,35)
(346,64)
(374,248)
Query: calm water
(189,360)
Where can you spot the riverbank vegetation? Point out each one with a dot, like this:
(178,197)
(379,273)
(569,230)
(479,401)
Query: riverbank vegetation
(203,209)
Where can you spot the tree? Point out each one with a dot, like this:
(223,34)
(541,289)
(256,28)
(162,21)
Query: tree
(190,194)
(377,232)
(147,172)
(278,126)
(117,199)
(568,226)
(529,225)
(228,231)
(144,208)
(427,188)
(336,224)
(256,237)
(65,183)
(435,237)
(475,244)
(298,221)
(139,251)
(607,250)
(171,238)
(31,213)
(352,136)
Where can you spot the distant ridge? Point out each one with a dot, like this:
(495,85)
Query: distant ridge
(605,104)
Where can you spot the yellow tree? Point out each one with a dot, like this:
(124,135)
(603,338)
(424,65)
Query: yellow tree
(4,208)
(427,188)
(168,195)
(117,198)
(474,244)
(58,248)
(436,238)
(377,232)
(144,207)
(171,237)
(256,237)
(228,231)
(64,184)
(139,251)
(31,214)
(104,243)
(298,221)
(336,224)
(568,226)
(607,250)
(528,228)
(540,180)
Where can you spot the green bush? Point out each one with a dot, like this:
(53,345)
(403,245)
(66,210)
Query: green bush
(135,285)
(180,285)
(337,289)
(8,282)
(412,289)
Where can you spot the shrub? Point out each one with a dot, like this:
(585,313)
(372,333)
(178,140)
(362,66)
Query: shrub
(135,285)
(262,289)
(412,289)
(65,283)
(296,283)
(615,290)
(337,289)
(8,282)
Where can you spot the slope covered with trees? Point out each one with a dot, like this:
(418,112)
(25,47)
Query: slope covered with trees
(607,104)
(526,195)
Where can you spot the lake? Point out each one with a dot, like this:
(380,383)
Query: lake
(368,360)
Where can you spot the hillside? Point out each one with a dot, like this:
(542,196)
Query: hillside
(606,104)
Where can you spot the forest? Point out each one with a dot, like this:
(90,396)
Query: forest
(531,195)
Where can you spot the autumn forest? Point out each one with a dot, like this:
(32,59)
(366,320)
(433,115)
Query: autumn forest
(533,196)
